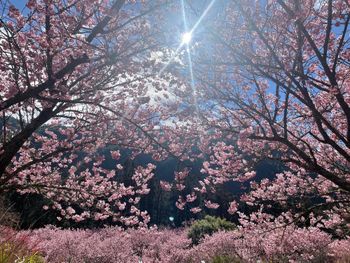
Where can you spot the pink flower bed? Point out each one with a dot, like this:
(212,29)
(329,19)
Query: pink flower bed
(112,244)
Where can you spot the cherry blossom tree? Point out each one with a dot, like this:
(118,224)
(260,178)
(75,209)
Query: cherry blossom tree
(271,82)
(78,76)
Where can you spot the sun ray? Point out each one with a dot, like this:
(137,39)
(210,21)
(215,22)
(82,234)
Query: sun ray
(189,33)
(193,87)
(202,16)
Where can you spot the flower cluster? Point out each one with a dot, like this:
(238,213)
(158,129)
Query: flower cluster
(162,245)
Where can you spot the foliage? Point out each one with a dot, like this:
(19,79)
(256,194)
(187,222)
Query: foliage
(208,226)
(14,248)
(10,253)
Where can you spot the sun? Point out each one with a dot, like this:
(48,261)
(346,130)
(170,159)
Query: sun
(186,37)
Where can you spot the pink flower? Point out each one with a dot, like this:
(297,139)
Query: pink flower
(70,210)
(195,210)
(165,186)
(180,203)
(233,208)
(115,155)
(211,205)
(191,198)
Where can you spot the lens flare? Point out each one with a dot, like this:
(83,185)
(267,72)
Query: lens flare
(186,38)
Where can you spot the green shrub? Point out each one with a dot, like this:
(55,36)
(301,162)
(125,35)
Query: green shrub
(11,252)
(208,226)
(35,258)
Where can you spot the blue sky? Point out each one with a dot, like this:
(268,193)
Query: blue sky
(20,4)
